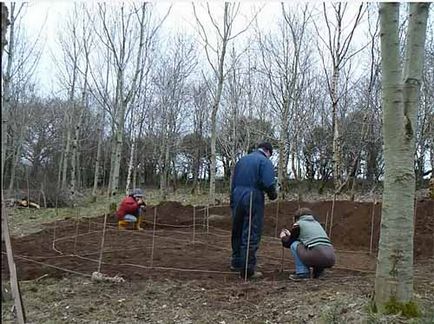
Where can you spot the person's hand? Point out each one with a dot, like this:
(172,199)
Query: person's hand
(140,201)
(284,233)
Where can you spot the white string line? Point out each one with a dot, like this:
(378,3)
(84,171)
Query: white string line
(164,268)
(159,268)
(50,265)
(260,254)
(145,233)
(179,240)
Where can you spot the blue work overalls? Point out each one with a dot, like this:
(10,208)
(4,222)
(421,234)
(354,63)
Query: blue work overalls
(253,174)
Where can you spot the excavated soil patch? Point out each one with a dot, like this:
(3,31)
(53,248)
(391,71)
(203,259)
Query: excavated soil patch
(175,250)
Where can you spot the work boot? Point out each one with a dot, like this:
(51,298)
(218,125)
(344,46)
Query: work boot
(122,224)
(317,272)
(256,275)
(299,276)
(139,223)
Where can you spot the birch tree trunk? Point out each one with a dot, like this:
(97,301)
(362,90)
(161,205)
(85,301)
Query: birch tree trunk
(338,45)
(98,157)
(216,105)
(223,37)
(131,165)
(70,110)
(394,275)
(75,158)
(337,161)
(66,154)
(124,96)
(283,149)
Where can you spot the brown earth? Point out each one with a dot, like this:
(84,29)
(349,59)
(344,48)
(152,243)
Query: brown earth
(171,252)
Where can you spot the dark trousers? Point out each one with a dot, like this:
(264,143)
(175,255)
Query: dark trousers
(240,231)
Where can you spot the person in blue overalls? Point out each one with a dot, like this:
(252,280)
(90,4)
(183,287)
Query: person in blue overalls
(253,175)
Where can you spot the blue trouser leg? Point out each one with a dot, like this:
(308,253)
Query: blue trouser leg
(255,234)
(300,267)
(237,231)
(130,218)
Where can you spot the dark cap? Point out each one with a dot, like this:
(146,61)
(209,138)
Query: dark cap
(136,193)
(266,146)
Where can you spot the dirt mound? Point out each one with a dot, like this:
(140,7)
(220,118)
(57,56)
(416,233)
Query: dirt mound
(180,250)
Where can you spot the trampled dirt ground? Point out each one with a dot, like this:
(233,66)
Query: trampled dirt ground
(191,264)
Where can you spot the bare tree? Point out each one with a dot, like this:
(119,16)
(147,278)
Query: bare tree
(86,45)
(224,34)
(282,60)
(172,82)
(18,87)
(125,33)
(338,45)
(68,76)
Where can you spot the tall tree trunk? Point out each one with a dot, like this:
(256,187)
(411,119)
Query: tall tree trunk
(213,161)
(75,158)
(135,169)
(131,165)
(74,155)
(293,158)
(119,140)
(337,161)
(196,170)
(67,151)
(98,157)
(7,78)
(394,275)
(216,104)
(283,149)
(163,165)
(124,99)
(117,134)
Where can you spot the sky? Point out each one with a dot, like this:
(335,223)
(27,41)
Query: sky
(51,14)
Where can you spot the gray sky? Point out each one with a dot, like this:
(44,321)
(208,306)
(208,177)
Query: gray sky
(181,19)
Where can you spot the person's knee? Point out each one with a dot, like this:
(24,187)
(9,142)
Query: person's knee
(130,218)
(294,247)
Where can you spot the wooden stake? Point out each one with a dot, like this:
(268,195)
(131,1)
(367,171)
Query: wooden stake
(372,226)
(77,215)
(153,237)
(15,287)
(327,220)
(54,235)
(282,259)
(28,189)
(102,243)
(331,216)
(248,236)
(194,223)
(204,219)
(277,218)
(207,219)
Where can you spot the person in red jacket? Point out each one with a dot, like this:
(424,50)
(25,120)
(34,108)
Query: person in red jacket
(131,210)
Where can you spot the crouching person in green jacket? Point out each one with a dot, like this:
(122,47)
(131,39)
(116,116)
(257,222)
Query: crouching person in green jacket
(309,245)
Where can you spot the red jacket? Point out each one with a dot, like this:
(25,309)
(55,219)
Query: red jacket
(128,206)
